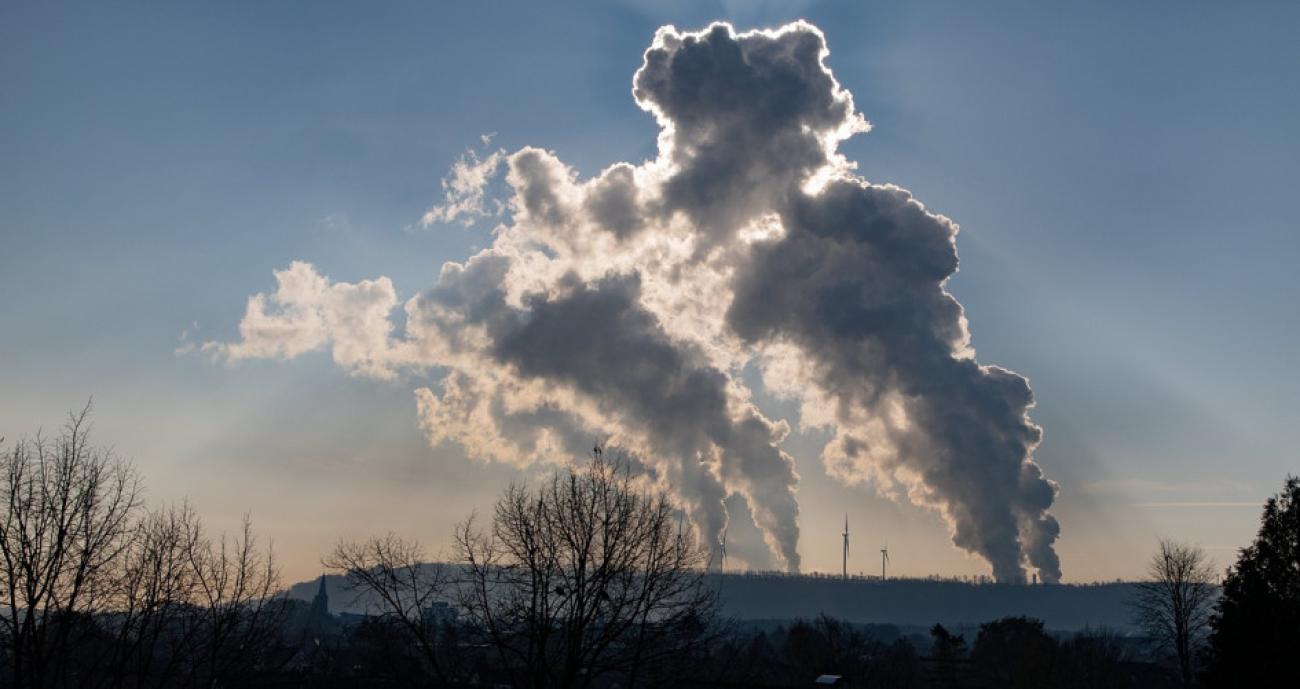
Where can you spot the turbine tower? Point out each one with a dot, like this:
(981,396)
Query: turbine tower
(884,558)
(722,565)
(846,547)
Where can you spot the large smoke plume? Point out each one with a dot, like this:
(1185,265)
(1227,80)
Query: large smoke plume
(625,306)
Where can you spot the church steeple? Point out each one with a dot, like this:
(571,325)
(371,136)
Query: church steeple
(320,605)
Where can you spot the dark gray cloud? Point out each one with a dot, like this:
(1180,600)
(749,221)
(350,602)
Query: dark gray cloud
(857,284)
(750,118)
(600,340)
(536,183)
(613,202)
(596,338)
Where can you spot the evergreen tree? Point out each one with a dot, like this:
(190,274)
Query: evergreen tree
(1256,637)
(947,651)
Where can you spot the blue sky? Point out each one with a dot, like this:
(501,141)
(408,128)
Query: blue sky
(1123,178)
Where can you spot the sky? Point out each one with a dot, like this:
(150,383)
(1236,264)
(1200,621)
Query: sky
(1120,177)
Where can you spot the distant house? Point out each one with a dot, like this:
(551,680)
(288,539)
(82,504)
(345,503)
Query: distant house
(829,681)
(440,612)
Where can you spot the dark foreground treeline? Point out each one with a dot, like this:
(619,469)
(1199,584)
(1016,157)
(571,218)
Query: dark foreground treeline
(96,590)
(1012,652)
(922,603)
(591,579)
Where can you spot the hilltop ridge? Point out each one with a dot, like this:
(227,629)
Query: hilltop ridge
(908,602)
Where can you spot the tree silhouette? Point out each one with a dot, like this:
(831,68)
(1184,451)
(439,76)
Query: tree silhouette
(1173,606)
(1256,626)
(1015,652)
(68,511)
(588,577)
(947,651)
(402,589)
(96,591)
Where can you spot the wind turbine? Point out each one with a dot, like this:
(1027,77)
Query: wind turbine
(723,564)
(846,546)
(884,558)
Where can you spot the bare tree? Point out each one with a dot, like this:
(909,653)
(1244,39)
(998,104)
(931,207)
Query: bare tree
(68,512)
(394,578)
(94,591)
(1175,604)
(187,610)
(237,609)
(151,623)
(587,577)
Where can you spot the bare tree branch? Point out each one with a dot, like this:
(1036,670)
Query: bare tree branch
(1174,605)
(401,587)
(584,577)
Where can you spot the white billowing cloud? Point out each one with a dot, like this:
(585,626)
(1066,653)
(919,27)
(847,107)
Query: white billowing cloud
(307,311)
(624,306)
(464,188)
